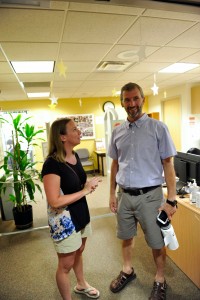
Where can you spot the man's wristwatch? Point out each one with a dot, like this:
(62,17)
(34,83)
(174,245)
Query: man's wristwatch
(172,203)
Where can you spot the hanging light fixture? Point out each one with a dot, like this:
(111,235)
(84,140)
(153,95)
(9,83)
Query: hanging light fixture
(155,88)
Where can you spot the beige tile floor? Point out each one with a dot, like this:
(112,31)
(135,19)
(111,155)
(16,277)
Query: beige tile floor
(28,260)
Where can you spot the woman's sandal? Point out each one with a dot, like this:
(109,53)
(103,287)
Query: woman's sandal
(89,292)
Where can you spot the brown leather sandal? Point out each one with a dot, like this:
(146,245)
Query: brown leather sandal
(121,281)
(158,291)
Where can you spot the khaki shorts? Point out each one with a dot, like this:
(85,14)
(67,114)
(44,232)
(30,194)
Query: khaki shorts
(74,241)
(142,209)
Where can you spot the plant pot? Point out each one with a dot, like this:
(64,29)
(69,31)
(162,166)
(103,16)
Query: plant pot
(23,219)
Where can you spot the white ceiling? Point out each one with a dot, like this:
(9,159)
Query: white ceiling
(83,34)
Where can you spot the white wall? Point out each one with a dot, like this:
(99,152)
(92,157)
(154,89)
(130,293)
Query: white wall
(184,92)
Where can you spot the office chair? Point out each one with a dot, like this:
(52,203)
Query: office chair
(85,158)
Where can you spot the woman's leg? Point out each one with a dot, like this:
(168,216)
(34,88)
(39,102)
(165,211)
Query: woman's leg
(78,266)
(78,270)
(65,263)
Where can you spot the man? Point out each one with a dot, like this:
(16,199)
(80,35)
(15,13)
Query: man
(141,149)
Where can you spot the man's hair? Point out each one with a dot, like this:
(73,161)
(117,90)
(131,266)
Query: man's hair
(129,87)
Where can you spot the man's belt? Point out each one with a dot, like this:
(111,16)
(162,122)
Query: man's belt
(137,192)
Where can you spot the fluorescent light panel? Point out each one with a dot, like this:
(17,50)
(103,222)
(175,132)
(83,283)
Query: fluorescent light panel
(179,68)
(39,95)
(33,66)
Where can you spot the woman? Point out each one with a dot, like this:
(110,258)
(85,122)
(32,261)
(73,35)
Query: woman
(68,215)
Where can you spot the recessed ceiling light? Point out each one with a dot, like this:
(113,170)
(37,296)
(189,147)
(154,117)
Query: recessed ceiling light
(179,68)
(33,66)
(39,95)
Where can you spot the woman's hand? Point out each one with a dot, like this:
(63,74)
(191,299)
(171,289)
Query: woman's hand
(91,185)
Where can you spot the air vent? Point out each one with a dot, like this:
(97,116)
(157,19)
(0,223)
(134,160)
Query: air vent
(112,66)
(36,84)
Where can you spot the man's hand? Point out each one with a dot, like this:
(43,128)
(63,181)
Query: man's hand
(170,210)
(113,203)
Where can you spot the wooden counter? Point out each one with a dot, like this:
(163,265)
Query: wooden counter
(186,223)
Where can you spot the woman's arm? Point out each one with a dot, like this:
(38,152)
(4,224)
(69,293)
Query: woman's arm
(52,190)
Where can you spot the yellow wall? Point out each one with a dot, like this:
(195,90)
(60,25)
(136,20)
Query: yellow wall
(41,113)
(195,100)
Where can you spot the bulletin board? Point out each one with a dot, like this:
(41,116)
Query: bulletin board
(85,123)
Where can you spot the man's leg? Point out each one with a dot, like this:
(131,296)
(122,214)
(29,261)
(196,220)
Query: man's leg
(127,274)
(127,253)
(159,286)
(159,256)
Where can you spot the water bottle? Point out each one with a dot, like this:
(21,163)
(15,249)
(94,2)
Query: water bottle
(167,230)
(198,199)
(193,194)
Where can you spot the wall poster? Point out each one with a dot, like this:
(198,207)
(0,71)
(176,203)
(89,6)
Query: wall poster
(85,123)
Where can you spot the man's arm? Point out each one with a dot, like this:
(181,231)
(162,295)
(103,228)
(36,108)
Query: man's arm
(113,200)
(170,179)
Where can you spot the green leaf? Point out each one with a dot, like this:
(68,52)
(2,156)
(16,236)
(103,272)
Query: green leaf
(17,165)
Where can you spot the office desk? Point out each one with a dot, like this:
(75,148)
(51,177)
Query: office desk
(186,223)
(100,154)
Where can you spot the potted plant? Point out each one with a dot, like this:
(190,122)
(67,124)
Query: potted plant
(19,171)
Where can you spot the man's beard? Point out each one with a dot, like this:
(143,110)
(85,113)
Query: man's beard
(134,113)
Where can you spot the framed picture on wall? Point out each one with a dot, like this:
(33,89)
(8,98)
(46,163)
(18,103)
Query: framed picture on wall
(85,123)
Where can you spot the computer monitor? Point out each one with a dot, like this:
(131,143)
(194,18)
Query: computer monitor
(187,167)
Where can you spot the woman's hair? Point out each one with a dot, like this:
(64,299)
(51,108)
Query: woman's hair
(55,147)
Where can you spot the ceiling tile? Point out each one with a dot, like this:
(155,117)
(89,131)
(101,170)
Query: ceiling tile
(195,58)
(83,52)
(189,38)
(154,31)
(94,33)
(31,51)
(44,25)
(171,15)
(5,68)
(103,8)
(79,27)
(170,54)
